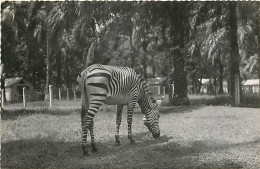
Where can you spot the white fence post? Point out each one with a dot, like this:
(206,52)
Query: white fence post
(24,97)
(50,93)
(67,93)
(158,90)
(59,94)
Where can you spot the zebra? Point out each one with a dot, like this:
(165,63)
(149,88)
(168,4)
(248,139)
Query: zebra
(115,86)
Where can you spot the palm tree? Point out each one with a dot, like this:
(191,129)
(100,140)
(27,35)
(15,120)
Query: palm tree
(249,37)
(60,17)
(221,41)
(234,52)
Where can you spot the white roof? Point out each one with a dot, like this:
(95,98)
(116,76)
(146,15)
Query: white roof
(252,82)
(203,81)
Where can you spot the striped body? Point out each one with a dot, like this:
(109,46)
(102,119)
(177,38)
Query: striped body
(115,86)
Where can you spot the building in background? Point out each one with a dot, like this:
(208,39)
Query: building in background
(207,86)
(158,86)
(251,86)
(14,89)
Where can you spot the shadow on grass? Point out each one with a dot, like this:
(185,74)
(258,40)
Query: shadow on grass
(43,153)
(160,153)
(14,114)
(188,156)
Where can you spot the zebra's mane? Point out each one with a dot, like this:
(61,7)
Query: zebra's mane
(147,90)
(97,66)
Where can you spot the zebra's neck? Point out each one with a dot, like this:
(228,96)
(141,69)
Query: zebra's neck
(145,101)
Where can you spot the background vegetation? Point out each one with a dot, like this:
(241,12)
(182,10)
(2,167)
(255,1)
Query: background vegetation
(51,42)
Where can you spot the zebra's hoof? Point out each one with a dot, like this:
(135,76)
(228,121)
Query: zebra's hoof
(85,151)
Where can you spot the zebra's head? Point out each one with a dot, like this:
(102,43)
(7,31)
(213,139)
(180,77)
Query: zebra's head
(151,121)
(149,108)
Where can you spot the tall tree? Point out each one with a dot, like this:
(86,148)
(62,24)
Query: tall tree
(234,53)
(180,34)
(61,16)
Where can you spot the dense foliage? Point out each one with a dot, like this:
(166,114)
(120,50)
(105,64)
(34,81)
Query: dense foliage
(51,42)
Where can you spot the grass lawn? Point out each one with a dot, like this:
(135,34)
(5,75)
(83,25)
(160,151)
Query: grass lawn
(191,136)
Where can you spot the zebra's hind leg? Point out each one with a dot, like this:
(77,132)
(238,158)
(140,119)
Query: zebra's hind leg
(93,143)
(84,143)
(84,132)
(129,122)
(118,123)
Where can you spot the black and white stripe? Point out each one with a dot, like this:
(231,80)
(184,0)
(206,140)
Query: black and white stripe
(116,86)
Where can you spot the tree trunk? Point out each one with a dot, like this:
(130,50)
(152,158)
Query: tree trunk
(180,96)
(59,65)
(90,54)
(145,65)
(30,51)
(170,92)
(234,53)
(2,75)
(144,59)
(67,75)
(131,50)
(153,66)
(215,83)
(48,66)
(258,42)
(221,91)
(178,22)
(170,75)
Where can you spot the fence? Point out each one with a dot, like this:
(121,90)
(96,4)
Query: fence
(38,98)
(29,97)
(65,94)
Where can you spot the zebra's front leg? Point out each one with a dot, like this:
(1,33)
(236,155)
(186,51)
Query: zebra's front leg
(129,123)
(93,143)
(118,123)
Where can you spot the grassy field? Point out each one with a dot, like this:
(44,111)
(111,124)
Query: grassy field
(191,137)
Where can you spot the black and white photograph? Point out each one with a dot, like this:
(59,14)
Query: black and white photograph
(130,84)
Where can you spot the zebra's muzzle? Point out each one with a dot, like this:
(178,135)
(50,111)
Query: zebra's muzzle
(156,135)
